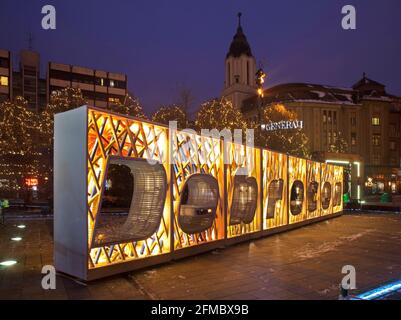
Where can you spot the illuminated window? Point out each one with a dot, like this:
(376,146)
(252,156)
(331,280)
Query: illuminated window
(376,121)
(329,117)
(376,139)
(353,138)
(114,100)
(111,83)
(102,82)
(4,81)
(324,117)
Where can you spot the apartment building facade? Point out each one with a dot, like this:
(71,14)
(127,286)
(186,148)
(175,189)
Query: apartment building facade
(99,88)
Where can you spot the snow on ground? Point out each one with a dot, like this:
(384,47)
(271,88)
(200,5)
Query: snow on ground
(311,251)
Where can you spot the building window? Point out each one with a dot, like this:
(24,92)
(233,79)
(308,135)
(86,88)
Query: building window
(376,159)
(329,137)
(353,120)
(114,100)
(334,117)
(111,83)
(4,81)
(353,138)
(329,117)
(393,130)
(324,117)
(392,145)
(376,139)
(376,121)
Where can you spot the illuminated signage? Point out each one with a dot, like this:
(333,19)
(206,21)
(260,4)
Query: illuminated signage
(31,182)
(283,125)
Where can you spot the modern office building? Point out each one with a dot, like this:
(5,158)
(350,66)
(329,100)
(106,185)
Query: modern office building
(5,75)
(365,115)
(100,88)
(27,82)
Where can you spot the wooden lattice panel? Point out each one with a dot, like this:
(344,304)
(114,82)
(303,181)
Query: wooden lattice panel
(247,158)
(297,172)
(274,167)
(193,154)
(313,176)
(110,134)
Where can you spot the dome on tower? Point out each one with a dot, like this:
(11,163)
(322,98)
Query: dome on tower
(239,45)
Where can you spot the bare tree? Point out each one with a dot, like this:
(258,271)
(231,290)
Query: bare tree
(185,97)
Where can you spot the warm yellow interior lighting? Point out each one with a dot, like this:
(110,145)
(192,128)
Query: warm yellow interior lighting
(4,81)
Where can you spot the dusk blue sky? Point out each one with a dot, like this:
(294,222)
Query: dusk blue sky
(163,45)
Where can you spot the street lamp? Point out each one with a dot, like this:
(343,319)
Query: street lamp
(260,80)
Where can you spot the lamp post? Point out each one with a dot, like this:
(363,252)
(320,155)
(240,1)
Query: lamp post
(260,80)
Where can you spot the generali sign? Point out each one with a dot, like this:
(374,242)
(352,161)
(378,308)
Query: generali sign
(283,125)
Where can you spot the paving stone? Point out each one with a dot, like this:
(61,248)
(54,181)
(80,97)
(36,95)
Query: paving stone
(301,264)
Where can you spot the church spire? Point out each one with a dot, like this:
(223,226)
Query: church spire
(239,44)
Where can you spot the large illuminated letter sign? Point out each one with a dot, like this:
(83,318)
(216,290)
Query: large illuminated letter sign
(198,203)
(312,196)
(297,197)
(337,194)
(326,195)
(245,198)
(132,201)
(275,194)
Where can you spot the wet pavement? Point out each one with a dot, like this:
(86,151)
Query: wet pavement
(304,263)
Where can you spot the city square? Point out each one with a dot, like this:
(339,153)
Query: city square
(302,264)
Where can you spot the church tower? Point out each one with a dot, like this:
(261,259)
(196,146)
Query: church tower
(240,69)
